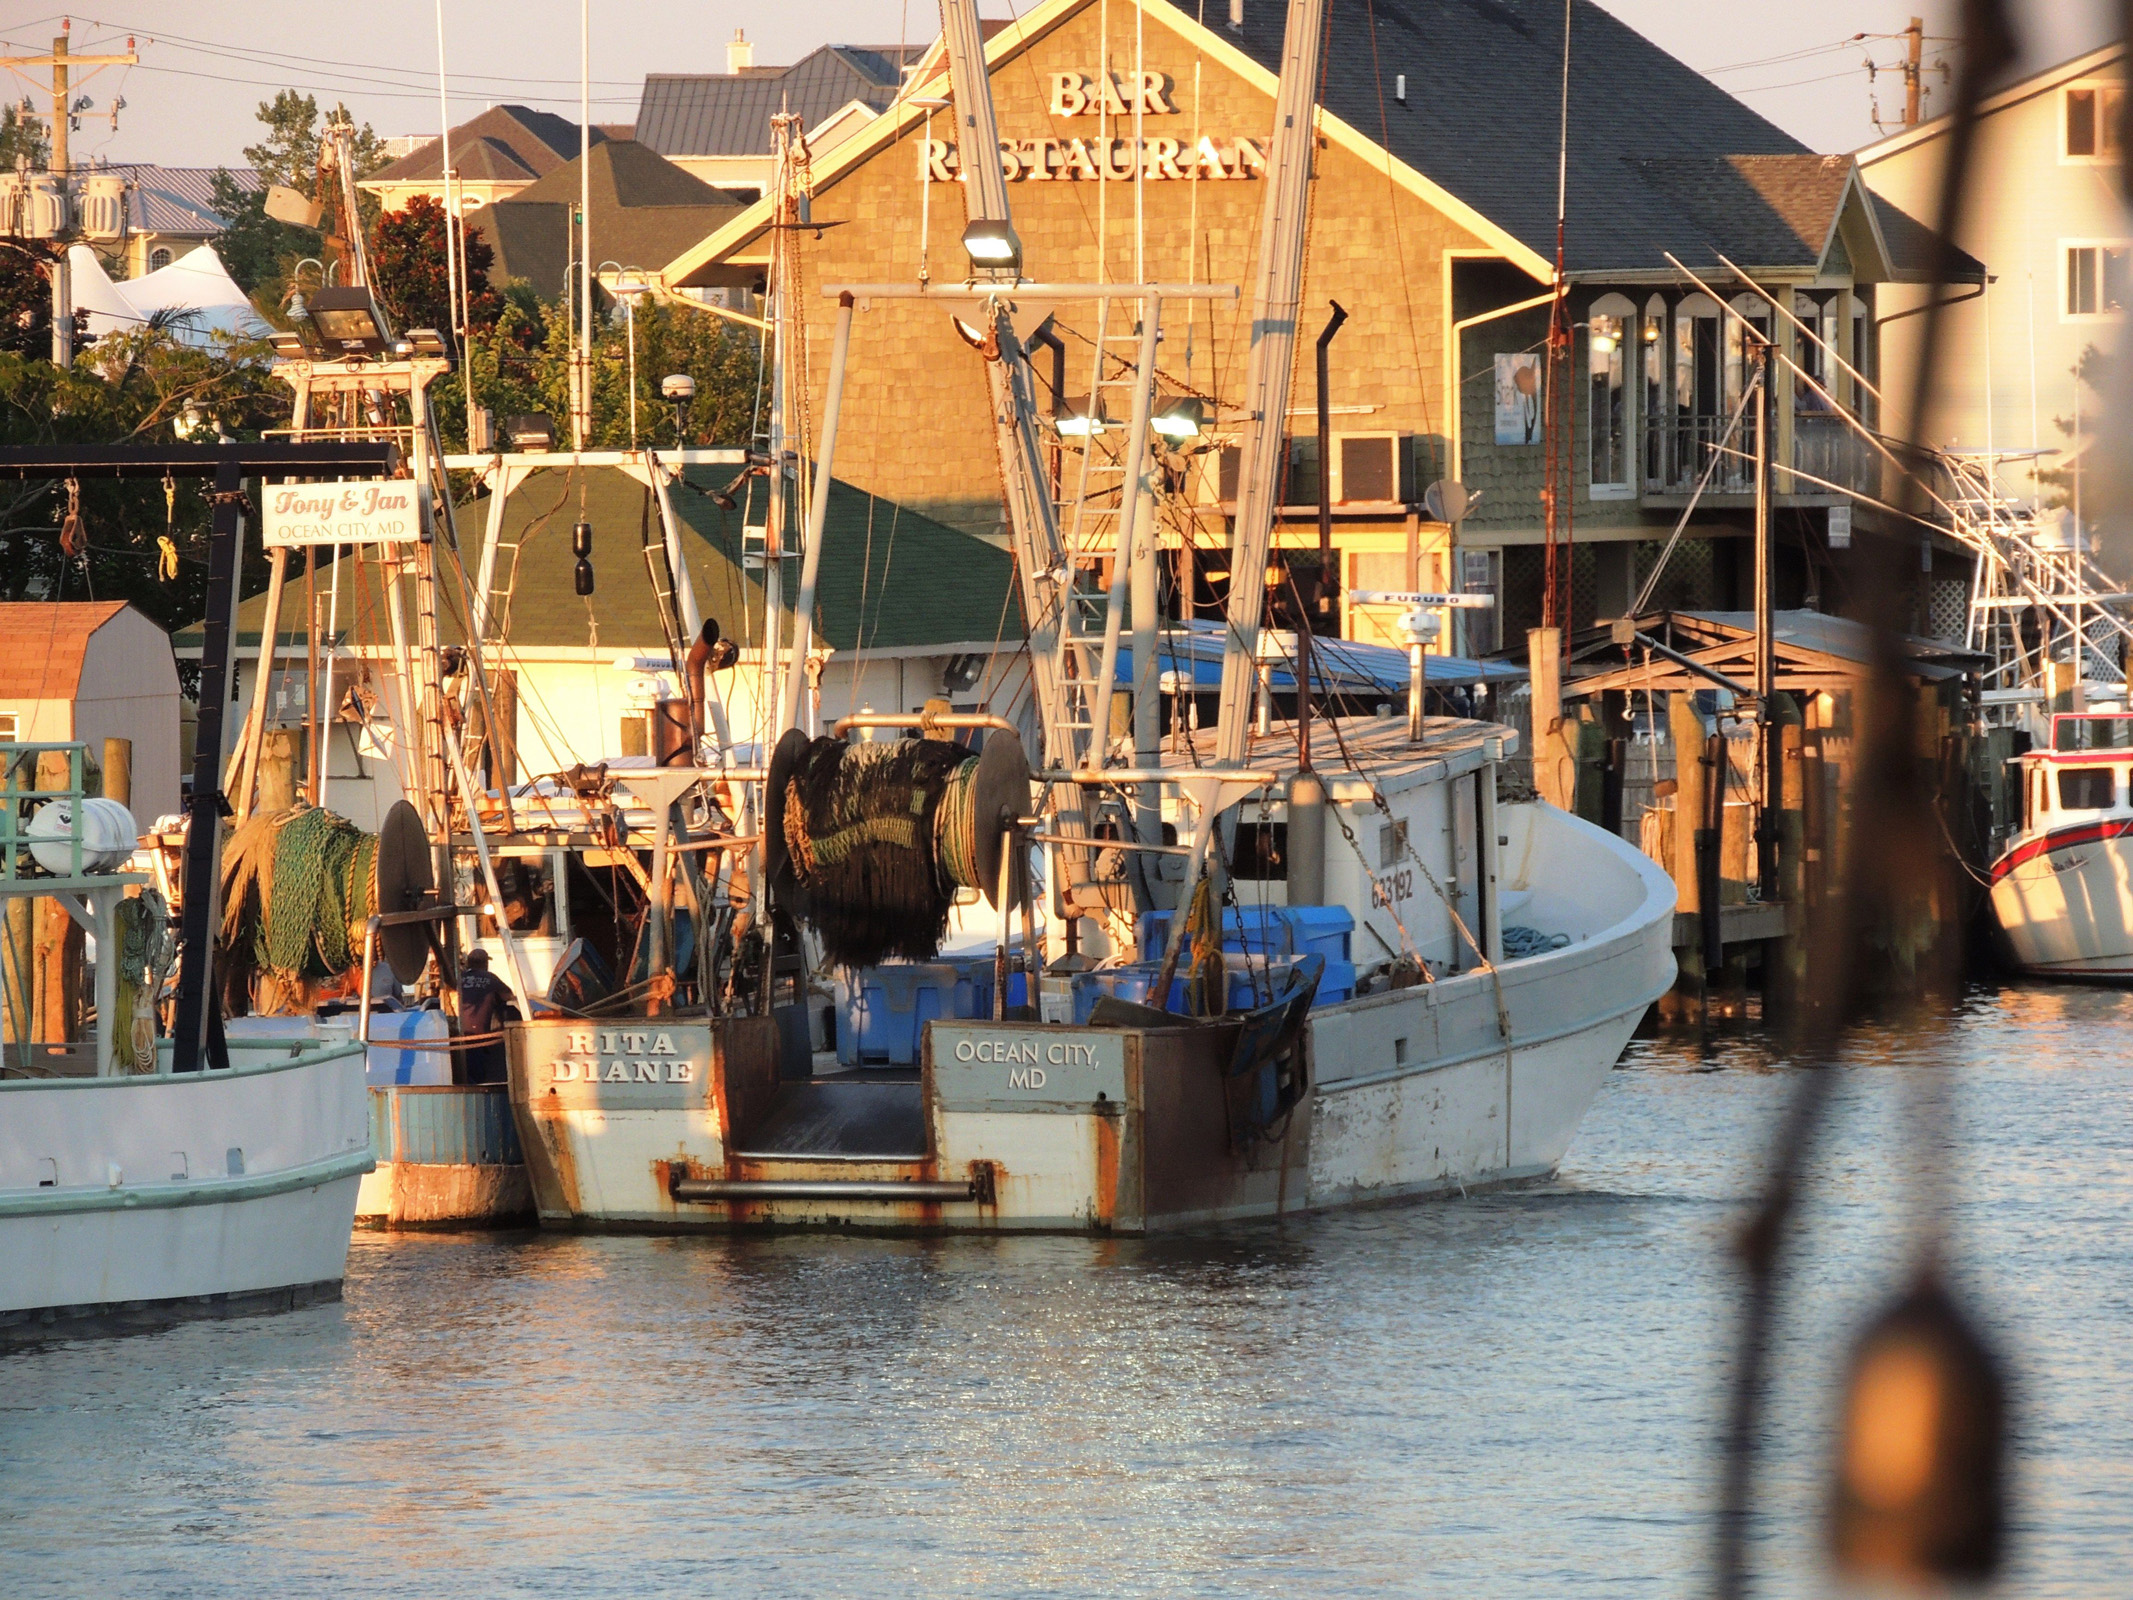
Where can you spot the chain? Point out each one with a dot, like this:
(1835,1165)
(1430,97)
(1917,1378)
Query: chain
(1380,895)
(1503,1008)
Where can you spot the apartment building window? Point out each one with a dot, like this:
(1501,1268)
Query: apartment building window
(2097,278)
(1607,421)
(2094,114)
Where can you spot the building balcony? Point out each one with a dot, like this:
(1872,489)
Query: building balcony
(1832,459)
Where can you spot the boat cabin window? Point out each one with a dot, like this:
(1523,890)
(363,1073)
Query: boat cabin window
(2088,788)
(2093,733)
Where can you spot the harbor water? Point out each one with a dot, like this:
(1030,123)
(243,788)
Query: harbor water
(1506,1395)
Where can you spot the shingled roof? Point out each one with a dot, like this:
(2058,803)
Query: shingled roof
(1661,159)
(891,579)
(728,114)
(645,212)
(47,641)
(504,142)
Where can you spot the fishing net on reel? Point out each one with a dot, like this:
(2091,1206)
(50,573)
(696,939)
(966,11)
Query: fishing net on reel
(868,843)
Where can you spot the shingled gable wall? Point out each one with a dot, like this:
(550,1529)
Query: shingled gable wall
(916,415)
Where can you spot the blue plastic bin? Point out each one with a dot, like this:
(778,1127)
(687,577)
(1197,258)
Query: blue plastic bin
(886,1010)
(1251,979)
(977,972)
(1267,930)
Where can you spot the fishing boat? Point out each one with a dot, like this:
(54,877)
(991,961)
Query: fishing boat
(1265,983)
(2060,890)
(133,1193)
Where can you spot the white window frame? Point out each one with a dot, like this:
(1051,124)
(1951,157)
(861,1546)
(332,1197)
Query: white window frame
(1628,374)
(2067,247)
(2104,155)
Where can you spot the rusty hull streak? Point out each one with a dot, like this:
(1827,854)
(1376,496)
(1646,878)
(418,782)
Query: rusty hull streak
(1107,1134)
(549,1162)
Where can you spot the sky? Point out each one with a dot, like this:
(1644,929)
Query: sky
(204,69)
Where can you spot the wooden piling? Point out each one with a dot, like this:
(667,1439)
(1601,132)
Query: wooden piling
(278,770)
(1684,1003)
(59,945)
(1554,758)
(118,771)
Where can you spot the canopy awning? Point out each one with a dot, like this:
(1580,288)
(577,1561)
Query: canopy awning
(1339,666)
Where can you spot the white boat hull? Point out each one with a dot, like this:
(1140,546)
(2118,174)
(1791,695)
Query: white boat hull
(2063,900)
(1474,1080)
(134,1201)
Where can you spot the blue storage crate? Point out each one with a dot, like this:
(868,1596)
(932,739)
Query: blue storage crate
(886,1010)
(977,972)
(1250,980)
(1266,930)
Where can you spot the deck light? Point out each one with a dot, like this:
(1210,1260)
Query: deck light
(1179,417)
(992,243)
(1079,418)
(347,319)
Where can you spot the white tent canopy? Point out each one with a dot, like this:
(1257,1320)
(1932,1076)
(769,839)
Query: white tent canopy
(194,298)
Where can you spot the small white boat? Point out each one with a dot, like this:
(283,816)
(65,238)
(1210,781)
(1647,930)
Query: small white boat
(2062,890)
(135,1201)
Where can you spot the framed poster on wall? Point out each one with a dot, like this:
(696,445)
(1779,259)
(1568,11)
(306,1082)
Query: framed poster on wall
(1518,398)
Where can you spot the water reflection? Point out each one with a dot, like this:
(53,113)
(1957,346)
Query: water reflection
(1511,1395)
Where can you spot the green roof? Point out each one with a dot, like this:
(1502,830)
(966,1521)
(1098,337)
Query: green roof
(890,578)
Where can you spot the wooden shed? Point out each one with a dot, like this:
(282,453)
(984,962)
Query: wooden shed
(91,671)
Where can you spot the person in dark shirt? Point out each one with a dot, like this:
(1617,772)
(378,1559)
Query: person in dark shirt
(484,1006)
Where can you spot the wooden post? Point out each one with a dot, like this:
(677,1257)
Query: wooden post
(277,771)
(118,771)
(59,940)
(1554,758)
(1684,1003)
(1785,960)
(244,760)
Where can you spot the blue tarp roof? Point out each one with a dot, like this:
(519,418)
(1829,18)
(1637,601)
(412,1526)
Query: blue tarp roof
(1339,666)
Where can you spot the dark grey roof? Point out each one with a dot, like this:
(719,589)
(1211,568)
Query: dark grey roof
(537,141)
(1484,78)
(728,114)
(645,212)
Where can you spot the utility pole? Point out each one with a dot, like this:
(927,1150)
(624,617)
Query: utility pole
(1914,49)
(61,63)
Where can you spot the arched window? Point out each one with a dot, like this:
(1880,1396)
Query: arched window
(1652,356)
(158,259)
(1607,331)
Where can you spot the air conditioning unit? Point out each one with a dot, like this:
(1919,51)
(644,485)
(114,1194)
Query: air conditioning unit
(103,206)
(48,211)
(1367,467)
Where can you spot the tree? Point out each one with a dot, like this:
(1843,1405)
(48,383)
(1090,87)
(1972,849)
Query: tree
(288,155)
(21,135)
(25,297)
(128,389)
(413,277)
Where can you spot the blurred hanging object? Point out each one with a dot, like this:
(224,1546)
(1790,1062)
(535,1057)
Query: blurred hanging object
(1919,1495)
(1920,1492)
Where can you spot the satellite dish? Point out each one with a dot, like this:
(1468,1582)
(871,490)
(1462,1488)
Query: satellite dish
(1446,499)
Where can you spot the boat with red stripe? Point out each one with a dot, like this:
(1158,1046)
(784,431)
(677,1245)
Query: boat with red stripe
(2062,891)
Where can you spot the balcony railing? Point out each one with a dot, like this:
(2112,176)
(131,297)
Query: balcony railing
(1678,450)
